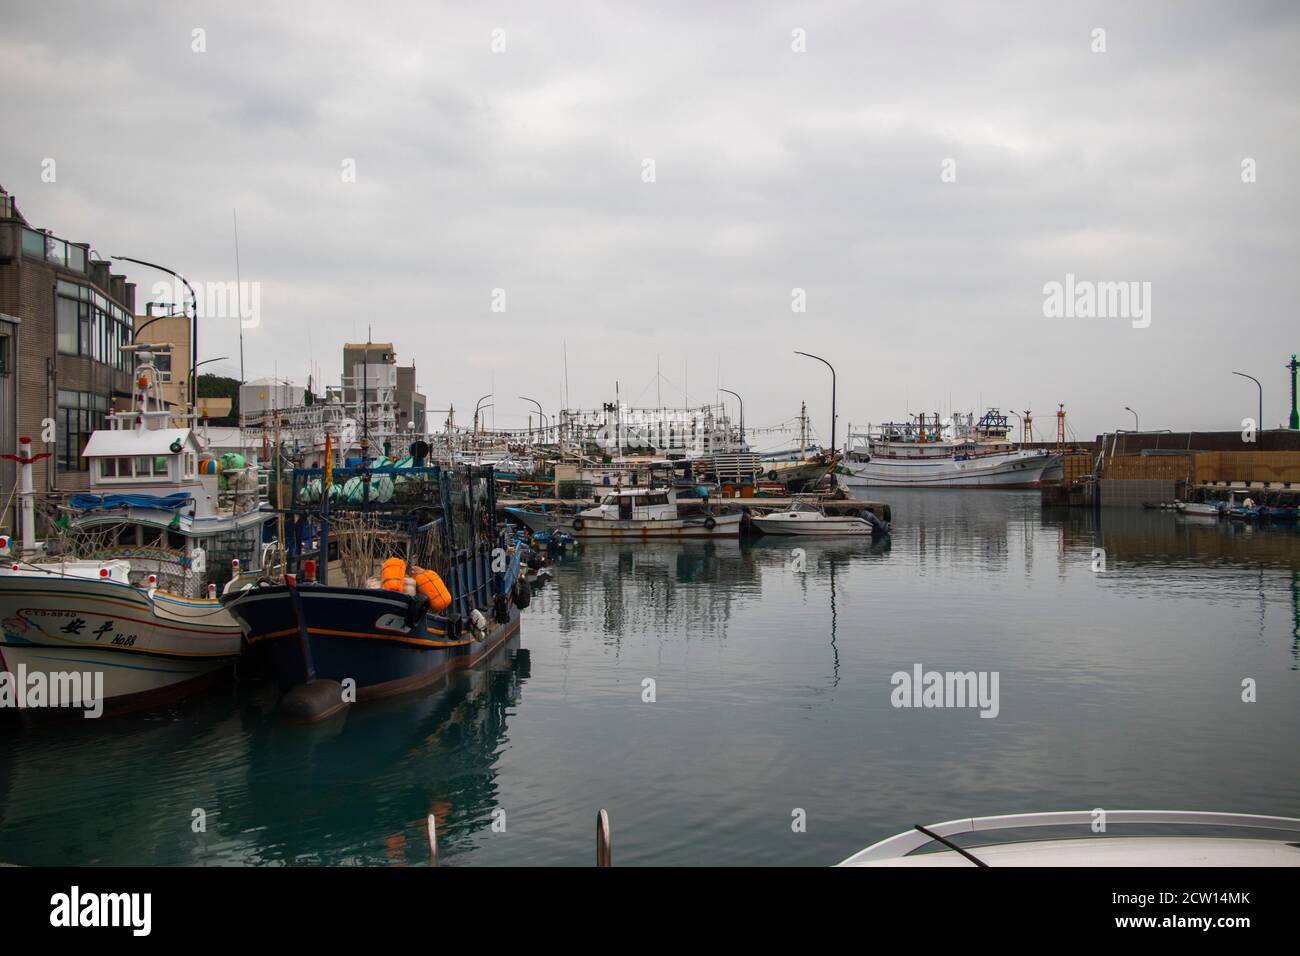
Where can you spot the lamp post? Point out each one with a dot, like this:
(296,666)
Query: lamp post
(194,319)
(1022,426)
(742,412)
(541,414)
(196,368)
(477,407)
(1259,422)
(1136,426)
(832,368)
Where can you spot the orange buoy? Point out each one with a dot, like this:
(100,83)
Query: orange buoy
(392,574)
(430,585)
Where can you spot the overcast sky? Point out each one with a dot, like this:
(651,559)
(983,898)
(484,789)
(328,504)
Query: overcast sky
(774,170)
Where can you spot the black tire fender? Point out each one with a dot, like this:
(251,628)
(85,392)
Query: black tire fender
(710,523)
(418,608)
(523,593)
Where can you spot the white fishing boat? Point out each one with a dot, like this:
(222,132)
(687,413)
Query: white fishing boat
(807,519)
(639,513)
(957,453)
(1089,848)
(1200,509)
(125,585)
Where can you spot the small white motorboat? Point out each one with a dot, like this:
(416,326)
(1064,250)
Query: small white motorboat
(1095,848)
(808,519)
(1200,509)
(644,513)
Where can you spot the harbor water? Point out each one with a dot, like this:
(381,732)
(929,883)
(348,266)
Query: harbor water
(772,735)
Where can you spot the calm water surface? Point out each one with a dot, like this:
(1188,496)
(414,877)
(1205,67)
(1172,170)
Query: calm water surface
(1120,689)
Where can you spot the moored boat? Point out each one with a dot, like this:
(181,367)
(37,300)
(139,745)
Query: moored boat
(1110,850)
(124,589)
(641,513)
(959,453)
(807,519)
(450,594)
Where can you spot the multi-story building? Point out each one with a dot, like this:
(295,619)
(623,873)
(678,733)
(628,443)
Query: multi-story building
(372,367)
(64,317)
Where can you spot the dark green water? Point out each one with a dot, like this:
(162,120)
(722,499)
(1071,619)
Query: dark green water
(1117,690)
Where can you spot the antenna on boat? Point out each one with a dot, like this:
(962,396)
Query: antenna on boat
(239,298)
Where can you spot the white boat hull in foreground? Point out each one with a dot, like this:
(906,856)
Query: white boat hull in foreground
(1090,849)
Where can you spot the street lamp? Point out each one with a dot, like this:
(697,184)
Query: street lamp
(1259,422)
(479,406)
(194,318)
(742,411)
(1022,426)
(540,413)
(1136,426)
(832,368)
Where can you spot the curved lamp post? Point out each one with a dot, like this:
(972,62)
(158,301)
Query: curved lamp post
(477,407)
(1136,426)
(832,368)
(742,411)
(194,319)
(1259,422)
(541,414)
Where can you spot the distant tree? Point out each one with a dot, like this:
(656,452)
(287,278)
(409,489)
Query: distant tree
(219,386)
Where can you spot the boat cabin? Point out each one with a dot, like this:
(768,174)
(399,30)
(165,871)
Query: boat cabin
(637,504)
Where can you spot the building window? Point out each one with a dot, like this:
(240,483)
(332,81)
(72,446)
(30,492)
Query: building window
(79,414)
(67,325)
(90,325)
(4,355)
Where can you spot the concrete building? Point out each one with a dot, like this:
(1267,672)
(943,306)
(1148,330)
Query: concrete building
(372,367)
(64,316)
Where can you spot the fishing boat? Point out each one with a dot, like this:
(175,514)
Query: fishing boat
(1200,509)
(957,453)
(125,585)
(1088,849)
(804,518)
(640,513)
(432,586)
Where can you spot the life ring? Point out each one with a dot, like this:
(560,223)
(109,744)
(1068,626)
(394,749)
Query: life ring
(710,523)
(577,524)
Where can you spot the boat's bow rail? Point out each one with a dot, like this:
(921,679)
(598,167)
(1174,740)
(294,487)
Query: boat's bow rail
(899,846)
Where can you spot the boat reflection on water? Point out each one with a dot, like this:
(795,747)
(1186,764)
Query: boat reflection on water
(390,763)
(354,789)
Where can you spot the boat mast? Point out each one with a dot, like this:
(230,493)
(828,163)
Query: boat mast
(803,430)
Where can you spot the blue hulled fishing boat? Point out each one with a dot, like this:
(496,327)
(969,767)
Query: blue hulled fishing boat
(430,585)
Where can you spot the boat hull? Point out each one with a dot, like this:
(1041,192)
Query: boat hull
(338,634)
(532,520)
(1003,471)
(837,527)
(724,526)
(151,649)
